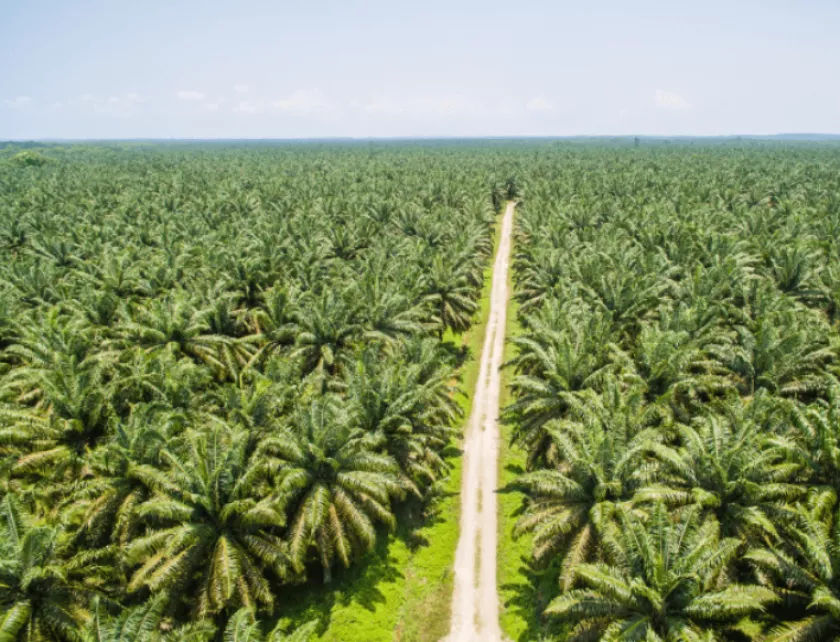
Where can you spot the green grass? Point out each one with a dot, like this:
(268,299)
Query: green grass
(523,592)
(402,591)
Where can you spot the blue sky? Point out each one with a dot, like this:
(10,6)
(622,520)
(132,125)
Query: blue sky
(313,68)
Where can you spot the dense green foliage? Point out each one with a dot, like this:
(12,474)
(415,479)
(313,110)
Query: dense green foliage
(675,387)
(225,373)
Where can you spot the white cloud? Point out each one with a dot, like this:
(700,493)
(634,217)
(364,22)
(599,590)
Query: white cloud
(212,106)
(114,104)
(241,89)
(190,95)
(18,102)
(249,107)
(304,101)
(670,100)
(426,105)
(538,103)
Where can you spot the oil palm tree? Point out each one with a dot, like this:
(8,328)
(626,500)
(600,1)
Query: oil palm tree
(327,326)
(447,289)
(334,484)
(243,626)
(409,399)
(806,568)
(274,323)
(572,503)
(785,353)
(174,325)
(726,464)
(662,580)
(213,527)
(555,359)
(103,507)
(813,440)
(133,624)
(43,592)
(72,414)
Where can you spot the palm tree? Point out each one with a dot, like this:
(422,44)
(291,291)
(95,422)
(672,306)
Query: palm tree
(244,627)
(448,290)
(662,580)
(410,400)
(174,325)
(555,359)
(274,324)
(571,505)
(213,526)
(674,366)
(813,440)
(104,505)
(334,484)
(43,594)
(72,415)
(145,623)
(795,268)
(806,568)
(388,314)
(726,464)
(785,353)
(134,624)
(327,326)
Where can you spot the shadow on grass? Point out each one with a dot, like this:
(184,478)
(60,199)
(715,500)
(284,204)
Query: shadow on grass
(368,578)
(361,583)
(529,598)
(459,353)
(516,469)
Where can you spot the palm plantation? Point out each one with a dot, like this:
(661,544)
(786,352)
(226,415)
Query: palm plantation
(222,381)
(674,395)
(227,376)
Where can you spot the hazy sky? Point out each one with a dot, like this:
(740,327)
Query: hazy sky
(246,68)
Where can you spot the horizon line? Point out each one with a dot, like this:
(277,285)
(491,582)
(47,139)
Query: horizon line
(787,135)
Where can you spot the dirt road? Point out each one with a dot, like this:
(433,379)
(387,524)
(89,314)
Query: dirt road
(475,601)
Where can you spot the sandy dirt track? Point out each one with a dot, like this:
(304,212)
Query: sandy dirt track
(475,600)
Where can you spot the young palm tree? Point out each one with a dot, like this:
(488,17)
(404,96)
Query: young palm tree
(334,484)
(662,580)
